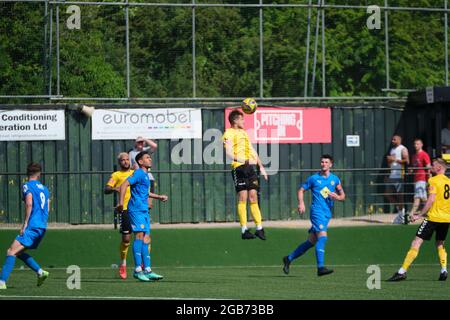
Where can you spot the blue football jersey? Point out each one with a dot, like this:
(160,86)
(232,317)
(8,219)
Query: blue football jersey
(139,187)
(320,188)
(39,211)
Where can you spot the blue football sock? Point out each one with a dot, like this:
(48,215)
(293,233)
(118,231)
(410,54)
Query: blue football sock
(29,261)
(146,256)
(320,251)
(301,249)
(137,252)
(7,267)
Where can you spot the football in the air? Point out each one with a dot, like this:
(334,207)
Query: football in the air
(249,105)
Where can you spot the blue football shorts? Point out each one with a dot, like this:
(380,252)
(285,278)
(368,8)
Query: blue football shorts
(140,221)
(319,223)
(31,238)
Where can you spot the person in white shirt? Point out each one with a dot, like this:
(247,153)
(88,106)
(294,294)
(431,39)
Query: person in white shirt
(397,159)
(445,138)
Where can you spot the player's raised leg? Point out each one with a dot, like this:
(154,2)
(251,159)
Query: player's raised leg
(125,230)
(299,251)
(11,254)
(320,254)
(124,246)
(411,255)
(442,260)
(138,243)
(147,260)
(42,275)
(242,213)
(256,213)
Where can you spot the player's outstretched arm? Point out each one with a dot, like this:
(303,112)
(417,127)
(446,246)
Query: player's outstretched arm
(261,168)
(109,189)
(339,195)
(110,186)
(301,202)
(161,197)
(28,208)
(122,191)
(427,206)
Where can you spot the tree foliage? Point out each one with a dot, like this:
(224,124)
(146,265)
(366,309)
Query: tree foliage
(227,60)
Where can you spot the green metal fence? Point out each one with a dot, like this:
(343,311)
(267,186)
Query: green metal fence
(76,170)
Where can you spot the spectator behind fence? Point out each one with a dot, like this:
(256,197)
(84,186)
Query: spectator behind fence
(420,160)
(445,138)
(139,145)
(397,159)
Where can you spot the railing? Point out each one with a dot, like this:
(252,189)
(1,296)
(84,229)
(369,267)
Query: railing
(202,195)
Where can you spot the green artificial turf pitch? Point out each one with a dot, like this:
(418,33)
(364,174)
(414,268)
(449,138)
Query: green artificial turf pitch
(217,264)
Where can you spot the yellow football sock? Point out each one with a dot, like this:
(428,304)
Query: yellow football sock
(242,212)
(410,256)
(442,257)
(124,250)
(256,213)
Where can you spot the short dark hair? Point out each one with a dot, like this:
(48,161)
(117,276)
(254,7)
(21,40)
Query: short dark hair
(418,139)
(33,168)
(234,115)
(327,156)
(139,156)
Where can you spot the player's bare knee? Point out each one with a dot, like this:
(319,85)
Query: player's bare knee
(312,238)
(11,252)
(243,197)
(416,243)
(126,239)
(439,243)
(139,236)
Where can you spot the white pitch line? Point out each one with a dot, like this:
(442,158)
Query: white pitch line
(107,298)
(239,267)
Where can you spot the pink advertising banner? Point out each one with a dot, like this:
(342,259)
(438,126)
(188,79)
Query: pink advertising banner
(287,125)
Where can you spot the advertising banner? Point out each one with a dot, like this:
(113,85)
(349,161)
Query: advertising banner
(127,124)
(287,125)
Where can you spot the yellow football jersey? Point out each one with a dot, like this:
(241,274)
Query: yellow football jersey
(240,144)
(117,178)
(440,210)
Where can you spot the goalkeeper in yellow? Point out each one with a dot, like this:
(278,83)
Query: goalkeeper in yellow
(437,219)
(238,147)
(113,185)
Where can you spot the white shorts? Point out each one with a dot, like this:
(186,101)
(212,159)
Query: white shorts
(420,190)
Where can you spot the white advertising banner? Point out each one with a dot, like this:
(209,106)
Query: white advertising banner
(127,124)
(27,125)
